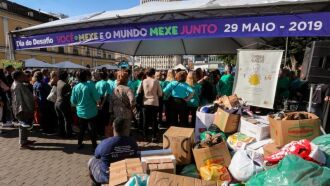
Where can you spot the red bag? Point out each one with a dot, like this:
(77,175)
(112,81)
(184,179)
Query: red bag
(300,148)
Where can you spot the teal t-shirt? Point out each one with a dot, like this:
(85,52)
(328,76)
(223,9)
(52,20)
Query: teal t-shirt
(85,97)
(102,88)
(283,85)
(163,86)
(225,85)
(195,101)
(112,86)
(178,89)
(134,86)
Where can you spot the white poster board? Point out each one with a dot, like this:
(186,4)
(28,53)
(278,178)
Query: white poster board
(257,75)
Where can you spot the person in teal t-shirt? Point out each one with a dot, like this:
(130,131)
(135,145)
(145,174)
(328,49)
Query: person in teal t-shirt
(180,93)
(226,83)
(194,103)
(85,98)
(103,88)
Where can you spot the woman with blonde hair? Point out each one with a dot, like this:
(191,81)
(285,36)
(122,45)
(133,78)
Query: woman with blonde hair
(194,103)
(169,78)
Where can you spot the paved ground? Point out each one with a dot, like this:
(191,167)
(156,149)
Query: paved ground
(54,161)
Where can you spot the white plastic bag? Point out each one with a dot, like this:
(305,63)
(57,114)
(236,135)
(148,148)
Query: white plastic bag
(245,164)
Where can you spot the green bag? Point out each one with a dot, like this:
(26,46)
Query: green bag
(190,171)
(293,171)
(323,142)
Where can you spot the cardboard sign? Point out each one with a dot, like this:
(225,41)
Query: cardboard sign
(218,154)
(285,131)
(166,179)
(180,141)
(161,163)
(203,121)
(256,76)
(121,171)
(259,130)
(226,122)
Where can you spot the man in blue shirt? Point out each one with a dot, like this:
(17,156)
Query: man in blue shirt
(110,150)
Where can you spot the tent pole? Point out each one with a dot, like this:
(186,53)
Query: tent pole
(310,98)
(286,50)
(11,51)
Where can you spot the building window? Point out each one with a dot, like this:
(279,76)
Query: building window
(75,50)
(104,55)
(43,49)
(30,14)
(88,52)
(61,50)
(3,5)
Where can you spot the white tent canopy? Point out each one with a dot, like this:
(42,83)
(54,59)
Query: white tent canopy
(180,66)
(34,63)
(177,10)
(69,65)
(107,66)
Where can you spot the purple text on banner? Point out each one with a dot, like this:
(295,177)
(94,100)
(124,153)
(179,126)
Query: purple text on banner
(311,24)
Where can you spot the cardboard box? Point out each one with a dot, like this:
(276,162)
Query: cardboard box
(121,171)
(166,167)
(258,146)
(165,179)
(226,122)
(255,127)
(180,141)
(203,121)
(217,154)
(163,163)
(285,131)
(270,149)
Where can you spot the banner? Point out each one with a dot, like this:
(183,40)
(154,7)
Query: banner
(312,24)
(256,76)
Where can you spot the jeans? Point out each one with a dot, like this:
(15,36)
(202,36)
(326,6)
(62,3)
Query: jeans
(90,125)
(150,117)
(64,117)
(94,166)
(160,110)
(24,132)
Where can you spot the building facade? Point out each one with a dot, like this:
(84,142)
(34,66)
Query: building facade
(159,62)
(14,17)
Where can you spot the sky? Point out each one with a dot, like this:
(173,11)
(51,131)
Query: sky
(77,7)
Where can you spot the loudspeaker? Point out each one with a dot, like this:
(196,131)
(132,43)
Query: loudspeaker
(316,64)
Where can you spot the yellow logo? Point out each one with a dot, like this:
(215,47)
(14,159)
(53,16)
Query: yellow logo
(254,80)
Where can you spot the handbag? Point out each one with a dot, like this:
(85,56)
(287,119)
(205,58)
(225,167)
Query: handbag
(52,95)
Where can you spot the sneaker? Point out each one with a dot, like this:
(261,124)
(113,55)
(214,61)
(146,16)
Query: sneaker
(26,146)
(25,125)
(30,142)
(8,124)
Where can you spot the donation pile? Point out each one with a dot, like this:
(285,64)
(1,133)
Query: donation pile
(231,145)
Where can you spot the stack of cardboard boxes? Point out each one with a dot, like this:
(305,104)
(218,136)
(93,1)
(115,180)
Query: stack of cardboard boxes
(270,135)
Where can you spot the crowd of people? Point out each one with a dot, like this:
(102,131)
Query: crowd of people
(109,103)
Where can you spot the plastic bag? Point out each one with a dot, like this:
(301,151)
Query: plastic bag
(215,172)
(190,171)
(323,142)
(138,180)
(239,141)
(245,164)
(302,148)
(293,171)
